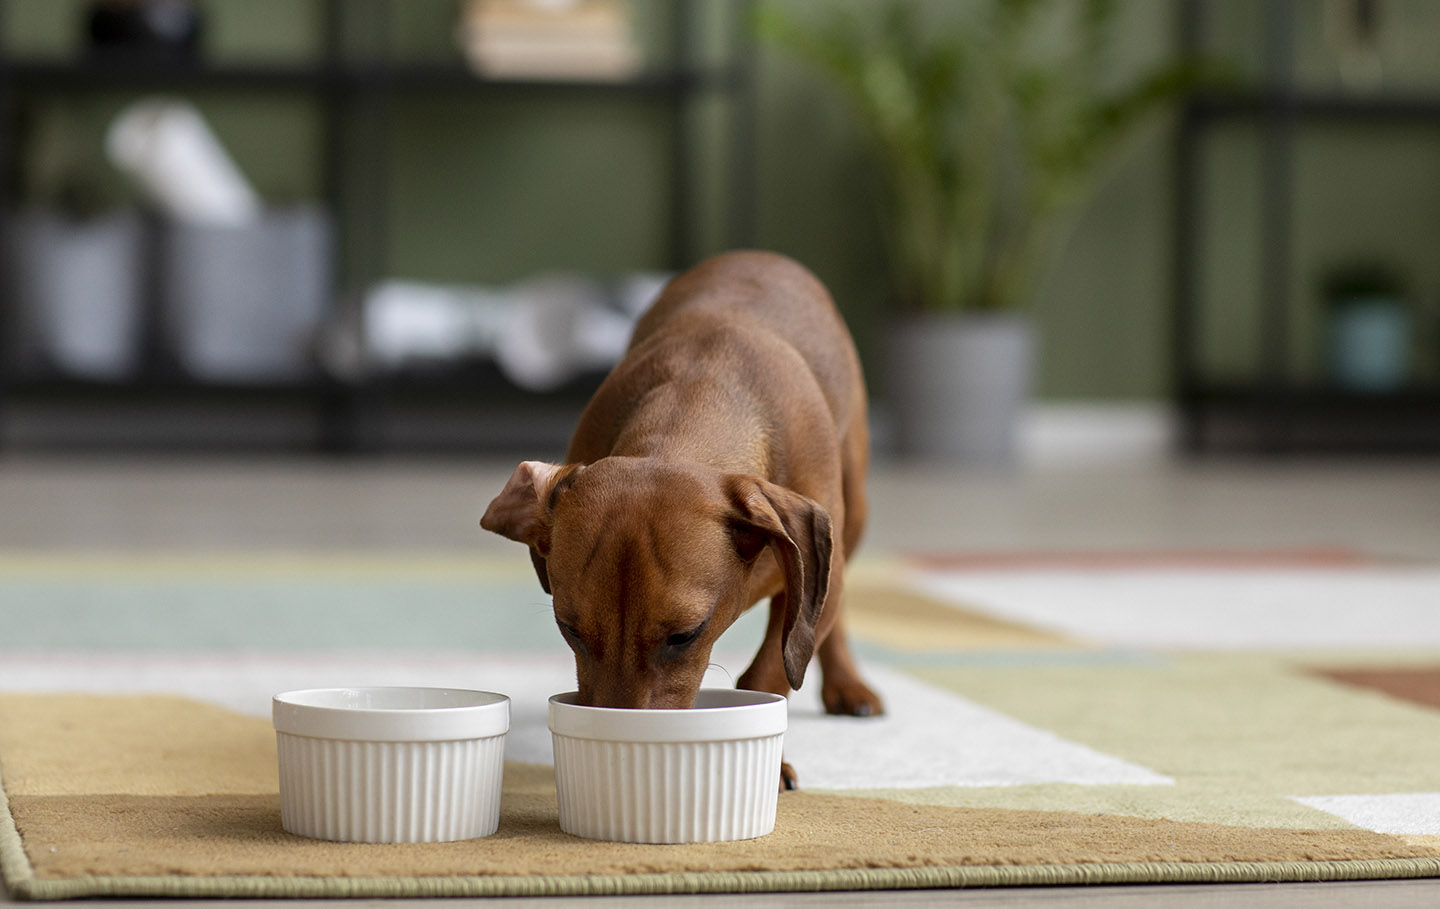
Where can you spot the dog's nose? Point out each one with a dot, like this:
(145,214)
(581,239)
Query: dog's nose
(620,696)
(639,697)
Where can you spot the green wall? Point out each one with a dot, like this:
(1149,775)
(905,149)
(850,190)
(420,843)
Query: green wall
(488,189)
(1102,310)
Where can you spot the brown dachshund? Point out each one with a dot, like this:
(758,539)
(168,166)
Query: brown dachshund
(715,466)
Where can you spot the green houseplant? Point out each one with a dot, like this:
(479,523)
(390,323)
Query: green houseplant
(988,121)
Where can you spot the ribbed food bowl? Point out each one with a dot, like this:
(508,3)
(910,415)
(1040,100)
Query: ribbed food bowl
(391,765)
(669,776)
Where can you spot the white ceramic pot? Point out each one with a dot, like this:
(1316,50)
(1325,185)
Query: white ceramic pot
(669,776)
(391,765)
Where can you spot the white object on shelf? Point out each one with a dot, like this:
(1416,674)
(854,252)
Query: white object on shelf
(542,332)
(391,765)
(409,321)
(576,39)
(669,776)
(169,149)
(558,327)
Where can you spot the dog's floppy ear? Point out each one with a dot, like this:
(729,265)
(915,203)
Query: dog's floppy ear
(521,512)
(798,530)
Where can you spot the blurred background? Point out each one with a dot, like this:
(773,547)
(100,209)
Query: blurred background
(1055,228)
(1157,280)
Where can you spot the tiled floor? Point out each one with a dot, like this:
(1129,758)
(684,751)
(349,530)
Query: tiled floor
(1389,508)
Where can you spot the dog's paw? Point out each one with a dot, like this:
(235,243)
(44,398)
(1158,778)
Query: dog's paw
(788,780)
(852,698)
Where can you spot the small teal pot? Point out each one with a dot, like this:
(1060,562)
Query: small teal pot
(1369,343)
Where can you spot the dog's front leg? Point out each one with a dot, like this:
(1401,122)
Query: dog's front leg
(767,672)
(842,690)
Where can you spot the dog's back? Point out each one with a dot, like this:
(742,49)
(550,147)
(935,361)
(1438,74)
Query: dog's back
(777,295)
(750,343)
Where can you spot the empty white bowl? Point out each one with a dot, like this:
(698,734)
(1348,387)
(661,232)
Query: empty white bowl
(669,776)
(391,765)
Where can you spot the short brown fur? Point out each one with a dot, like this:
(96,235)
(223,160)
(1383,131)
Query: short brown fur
(721,462)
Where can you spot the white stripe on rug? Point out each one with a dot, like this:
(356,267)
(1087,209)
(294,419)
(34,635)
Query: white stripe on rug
(1411,813)
(1193,609)
(930,737)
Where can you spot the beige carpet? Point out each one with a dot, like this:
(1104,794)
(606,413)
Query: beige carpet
(145,796)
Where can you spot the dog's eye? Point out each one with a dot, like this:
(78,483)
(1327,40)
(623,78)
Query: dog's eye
(569,631)
(686,638)
(749,542)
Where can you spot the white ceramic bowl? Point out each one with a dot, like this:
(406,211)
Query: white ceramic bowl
(391,765)
(669,776)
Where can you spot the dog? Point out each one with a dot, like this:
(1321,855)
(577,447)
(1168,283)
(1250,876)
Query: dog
(721,462)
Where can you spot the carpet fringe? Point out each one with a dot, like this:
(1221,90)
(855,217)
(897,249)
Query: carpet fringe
(26,886)
(15,869)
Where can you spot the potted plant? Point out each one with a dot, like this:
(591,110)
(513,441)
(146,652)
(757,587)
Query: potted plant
(988,123)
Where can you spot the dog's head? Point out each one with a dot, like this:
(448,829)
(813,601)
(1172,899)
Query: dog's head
(648,562)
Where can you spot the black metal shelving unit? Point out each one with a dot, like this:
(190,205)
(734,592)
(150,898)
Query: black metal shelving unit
(1273,412)
(358,97)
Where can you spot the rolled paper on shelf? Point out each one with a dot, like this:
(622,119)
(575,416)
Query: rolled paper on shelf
(170,151)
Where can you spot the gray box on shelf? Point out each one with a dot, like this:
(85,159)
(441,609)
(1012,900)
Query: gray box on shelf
(244,303)
(77,287)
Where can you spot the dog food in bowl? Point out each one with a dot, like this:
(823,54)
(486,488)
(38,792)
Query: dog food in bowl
(391,765)
(669,776)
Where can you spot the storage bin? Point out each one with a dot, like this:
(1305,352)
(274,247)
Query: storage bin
(77,290)
(244,303)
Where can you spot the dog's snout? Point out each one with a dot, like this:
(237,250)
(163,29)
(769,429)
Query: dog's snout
(631,696)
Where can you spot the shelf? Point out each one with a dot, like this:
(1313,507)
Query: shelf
(359,96)
(453,383)
(1317,397)
(1277,415)
(101,75)
(476,379)
(86,74)
(1419,109)
(1313,419)
(71,388)
(456,78)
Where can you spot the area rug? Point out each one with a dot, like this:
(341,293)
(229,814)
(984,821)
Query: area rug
(1121,740)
